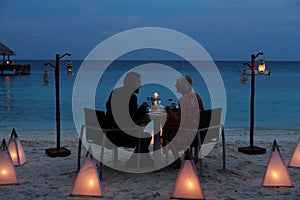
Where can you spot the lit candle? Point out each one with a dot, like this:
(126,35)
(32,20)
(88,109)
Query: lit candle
(155,95)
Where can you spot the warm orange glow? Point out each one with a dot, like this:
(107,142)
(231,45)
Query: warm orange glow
(91,182)
(152,138)
(190,184)
(295,160)
(7,170)
(15,150)
(276,174)
(155,96)
(13,156)
(3,172)
(187,184)
(261,67)
(87,182)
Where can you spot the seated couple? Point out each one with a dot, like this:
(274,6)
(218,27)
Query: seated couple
(123,102)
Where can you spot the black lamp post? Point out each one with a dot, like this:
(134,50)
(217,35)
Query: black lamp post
(252,150)
(58,151)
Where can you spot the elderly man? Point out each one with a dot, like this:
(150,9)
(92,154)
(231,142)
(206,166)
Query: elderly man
(123,112)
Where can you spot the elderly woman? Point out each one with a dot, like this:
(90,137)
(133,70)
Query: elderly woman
(187,116)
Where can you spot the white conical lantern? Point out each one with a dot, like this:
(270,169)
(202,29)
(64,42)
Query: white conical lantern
(187,184)
(276,174)
(8,173)
(87,182)
(295,160)
(16,150)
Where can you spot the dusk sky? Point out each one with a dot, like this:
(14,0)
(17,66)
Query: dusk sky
(227,29)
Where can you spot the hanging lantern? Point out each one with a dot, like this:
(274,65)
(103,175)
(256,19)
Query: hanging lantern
(244,76)
(87,182)
(276,174)
(69,67)
(8,173)
(261,66)
(16,150)
(187,184)
(295,160)
(46,77)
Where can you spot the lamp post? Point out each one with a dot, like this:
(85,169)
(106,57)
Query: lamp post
(58,151)
(252,150)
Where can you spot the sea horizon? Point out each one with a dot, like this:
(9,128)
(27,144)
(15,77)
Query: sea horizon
(25,101)
(215,60)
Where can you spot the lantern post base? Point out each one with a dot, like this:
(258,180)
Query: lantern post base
(252,150)
(61,152)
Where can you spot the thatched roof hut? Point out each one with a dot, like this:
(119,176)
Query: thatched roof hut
(7,65)
(5,51)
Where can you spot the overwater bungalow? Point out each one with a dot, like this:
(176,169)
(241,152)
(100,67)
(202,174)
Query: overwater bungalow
(8,67)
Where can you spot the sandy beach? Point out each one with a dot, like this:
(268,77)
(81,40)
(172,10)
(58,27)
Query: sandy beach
(62,61)
(43,177)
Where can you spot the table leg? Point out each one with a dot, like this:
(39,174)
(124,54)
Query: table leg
(157,146)
(156,132)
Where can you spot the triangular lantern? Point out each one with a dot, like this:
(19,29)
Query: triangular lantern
(87,182)
(295,160)
(187,184)
(276,174)
(16,150)
(8,173)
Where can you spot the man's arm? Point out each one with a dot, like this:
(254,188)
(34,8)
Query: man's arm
(136,112)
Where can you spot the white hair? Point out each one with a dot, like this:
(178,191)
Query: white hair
(185,82)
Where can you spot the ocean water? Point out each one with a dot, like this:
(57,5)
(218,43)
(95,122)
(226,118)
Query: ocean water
(27,105)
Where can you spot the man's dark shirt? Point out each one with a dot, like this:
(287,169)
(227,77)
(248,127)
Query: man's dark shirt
(121,94)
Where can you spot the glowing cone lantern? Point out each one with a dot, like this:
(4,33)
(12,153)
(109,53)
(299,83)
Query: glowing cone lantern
(187,184)
(8,173)
(295,160)
(87,182)
(276,174)
(16,150)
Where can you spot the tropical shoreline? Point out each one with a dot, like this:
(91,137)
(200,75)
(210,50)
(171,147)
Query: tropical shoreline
(43,177)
